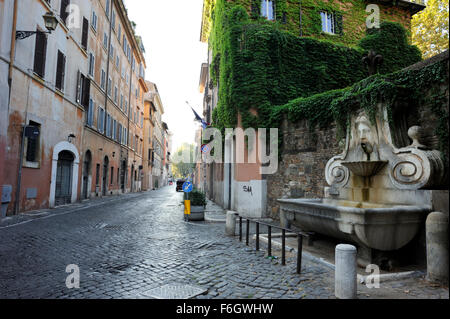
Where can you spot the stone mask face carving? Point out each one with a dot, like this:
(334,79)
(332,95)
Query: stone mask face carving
(364,139)
(364,130)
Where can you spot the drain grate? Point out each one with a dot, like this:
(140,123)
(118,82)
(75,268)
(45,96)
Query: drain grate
(175,291)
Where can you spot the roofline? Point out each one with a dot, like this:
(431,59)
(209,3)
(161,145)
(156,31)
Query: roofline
(413,7)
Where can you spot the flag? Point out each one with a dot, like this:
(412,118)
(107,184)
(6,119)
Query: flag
(199,119)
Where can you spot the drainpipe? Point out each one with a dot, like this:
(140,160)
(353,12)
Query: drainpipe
(10,71)
(13,49)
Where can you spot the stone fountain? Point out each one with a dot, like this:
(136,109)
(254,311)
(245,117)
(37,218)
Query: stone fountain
(378,195)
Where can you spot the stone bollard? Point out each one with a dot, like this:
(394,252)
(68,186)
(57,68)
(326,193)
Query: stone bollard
(345,272)
(437,247)
(230,226)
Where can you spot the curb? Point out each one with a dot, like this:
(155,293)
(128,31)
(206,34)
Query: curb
(361,278)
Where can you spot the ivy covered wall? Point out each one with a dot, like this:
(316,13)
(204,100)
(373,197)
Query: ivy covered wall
(258,66)
(302,17)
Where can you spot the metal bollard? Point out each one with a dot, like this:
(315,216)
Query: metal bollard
(247,234)
(283,247)
(299,253)
(240,228)
(257,236)
(345,273)
(269,241)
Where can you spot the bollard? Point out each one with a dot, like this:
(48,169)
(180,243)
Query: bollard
(345,272)
(437,247)
(230,226)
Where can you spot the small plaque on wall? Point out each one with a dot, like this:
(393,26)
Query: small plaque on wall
(31,193)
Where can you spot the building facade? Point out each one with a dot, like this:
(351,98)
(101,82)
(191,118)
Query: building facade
(241,186)
(75,112)
(156,151)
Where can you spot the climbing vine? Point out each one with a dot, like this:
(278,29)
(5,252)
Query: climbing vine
(264,70)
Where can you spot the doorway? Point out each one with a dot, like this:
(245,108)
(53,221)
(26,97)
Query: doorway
(86,174)
(105,176)
(63,191)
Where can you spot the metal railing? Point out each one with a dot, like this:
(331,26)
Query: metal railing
(300,236)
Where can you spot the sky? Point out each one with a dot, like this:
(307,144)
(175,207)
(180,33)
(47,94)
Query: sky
(170,31)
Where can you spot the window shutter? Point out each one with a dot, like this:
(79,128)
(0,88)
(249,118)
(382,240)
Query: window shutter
(86,92)
(84,36)
(63,14)
(78,95)
(60,71)
(63,71)
(339,29)
(40,54)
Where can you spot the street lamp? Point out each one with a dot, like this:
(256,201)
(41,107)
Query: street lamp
(50,22)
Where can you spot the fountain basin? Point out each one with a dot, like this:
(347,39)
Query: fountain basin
(365,168)
(376,226)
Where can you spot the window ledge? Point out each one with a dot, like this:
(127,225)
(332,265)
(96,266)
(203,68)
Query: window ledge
(59,92)
(329,34)
(34,165)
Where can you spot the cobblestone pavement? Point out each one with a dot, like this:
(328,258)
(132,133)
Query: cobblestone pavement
(128,245)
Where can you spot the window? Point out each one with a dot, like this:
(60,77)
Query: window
(107,8)
(63,13)
(328,22)
(32,154)
(267,9)
(121,101)
(109,87)
(114,130)
(103,80)
(83,90)
(90,113)
(111,51)
(126,107)
(60,71)
(84,33)
(101,120)
(40,53)
(108,125)
(113,20)
(105,40)
(92,64)
(115,94)
(119,132)
(119,34)
(94,20)
(117,62)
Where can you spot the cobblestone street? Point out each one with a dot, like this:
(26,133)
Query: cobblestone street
(128,245)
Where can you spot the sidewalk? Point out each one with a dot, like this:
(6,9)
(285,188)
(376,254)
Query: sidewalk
(214,213)
(405,283)
(29,216)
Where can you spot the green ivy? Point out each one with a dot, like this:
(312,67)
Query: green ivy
(406,86)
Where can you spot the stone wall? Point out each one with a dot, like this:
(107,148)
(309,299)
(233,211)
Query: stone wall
(305,152)
(301,172)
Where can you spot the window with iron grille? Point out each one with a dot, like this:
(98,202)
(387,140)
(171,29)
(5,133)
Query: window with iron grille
(32,153)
